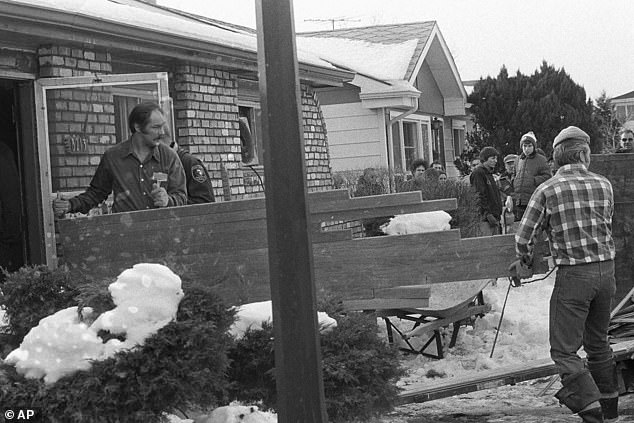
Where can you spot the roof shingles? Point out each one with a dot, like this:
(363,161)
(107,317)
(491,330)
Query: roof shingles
(386,34)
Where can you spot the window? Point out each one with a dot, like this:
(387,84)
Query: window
(458,141)
(250,135)
(410,141)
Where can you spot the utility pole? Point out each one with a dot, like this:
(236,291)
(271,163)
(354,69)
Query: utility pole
(298,372)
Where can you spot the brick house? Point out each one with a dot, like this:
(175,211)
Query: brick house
(71,71)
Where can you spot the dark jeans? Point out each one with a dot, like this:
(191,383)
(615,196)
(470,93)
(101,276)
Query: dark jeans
(580,313)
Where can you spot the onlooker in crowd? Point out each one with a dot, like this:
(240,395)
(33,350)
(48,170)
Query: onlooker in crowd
(142,172)
(417,167)
(442,177)
(626,141)
(488,194)
(473,166)
(199,188)
(575,209)
(505,181)
(10,212)
(531,170)
(371,183)
(438,166)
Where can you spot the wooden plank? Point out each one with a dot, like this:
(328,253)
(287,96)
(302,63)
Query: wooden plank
(408,291)
(385,303)
(354,268)
(458,315)
(493,378)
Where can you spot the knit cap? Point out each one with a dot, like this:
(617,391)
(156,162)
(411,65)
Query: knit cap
(571,133)
(488,152)
(510,158)
(529,136)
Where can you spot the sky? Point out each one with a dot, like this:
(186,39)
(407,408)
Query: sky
(592,40)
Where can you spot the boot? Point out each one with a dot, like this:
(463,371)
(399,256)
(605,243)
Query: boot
(605,376)
(610,407)
(578,392)
(593,415)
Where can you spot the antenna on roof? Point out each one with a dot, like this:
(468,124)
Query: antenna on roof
(332,20)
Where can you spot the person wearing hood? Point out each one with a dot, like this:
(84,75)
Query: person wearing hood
(531,170)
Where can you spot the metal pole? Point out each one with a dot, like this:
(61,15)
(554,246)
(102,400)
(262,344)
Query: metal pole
(297,355)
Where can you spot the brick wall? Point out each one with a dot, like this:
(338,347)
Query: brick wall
(206,120)
(316,142)
(81,121)
(205,101)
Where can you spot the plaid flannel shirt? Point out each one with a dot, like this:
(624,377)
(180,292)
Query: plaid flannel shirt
(575,207)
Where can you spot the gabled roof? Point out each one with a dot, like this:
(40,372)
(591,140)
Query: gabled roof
(430,48)
(625,96)
(387,34)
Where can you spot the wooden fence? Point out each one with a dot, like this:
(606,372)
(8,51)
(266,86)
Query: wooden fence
(225,243)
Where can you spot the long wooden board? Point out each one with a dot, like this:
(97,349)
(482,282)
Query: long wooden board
(226,244)
(493,378)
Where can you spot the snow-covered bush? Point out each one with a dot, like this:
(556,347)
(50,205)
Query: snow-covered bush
(359,369)
(33,293)
(182,366)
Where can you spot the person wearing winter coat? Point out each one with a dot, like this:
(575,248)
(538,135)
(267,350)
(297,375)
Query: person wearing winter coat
(488,194)
(531,170)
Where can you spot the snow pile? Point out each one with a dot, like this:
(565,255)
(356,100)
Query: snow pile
(415,223)
(58,346)
(253,315)
(147,298)
(239,414)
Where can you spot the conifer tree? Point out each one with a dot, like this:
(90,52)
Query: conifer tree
(545,102)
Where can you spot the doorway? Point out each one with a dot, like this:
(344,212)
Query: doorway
(12,205)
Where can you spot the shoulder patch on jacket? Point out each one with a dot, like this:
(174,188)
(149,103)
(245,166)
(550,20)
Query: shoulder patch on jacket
(198,173)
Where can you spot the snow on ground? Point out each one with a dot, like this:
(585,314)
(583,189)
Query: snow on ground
(523,335)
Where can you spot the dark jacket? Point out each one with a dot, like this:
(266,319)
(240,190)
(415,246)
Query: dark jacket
(131,181)
(488,194)
(530,172)
(199,188)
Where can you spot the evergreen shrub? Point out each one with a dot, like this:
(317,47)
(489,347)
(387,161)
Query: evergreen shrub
(182,367)
(359,369)
(32,293)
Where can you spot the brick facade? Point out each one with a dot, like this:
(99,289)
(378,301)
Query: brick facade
(205,105)
(81,121)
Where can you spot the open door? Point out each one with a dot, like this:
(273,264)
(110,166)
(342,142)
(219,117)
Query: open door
(78,118)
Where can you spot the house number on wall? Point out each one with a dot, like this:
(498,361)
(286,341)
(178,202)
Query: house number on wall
(75,143)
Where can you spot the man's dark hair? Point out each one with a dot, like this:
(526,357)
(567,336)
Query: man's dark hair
(140,115)
(416,163)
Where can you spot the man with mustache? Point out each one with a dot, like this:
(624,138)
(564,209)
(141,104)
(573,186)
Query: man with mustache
(142,172)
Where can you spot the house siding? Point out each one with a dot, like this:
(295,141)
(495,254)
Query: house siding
(356,137)
(432,101)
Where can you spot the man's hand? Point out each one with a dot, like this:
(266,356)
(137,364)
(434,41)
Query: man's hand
(60,207)
(159,195)
(493,221)
(521,268)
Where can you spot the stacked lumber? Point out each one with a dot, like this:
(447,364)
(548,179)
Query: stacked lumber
(622,320)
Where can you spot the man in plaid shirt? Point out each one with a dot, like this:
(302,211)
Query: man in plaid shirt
(575,209)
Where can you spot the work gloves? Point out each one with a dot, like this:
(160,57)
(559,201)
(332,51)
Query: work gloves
(521,268)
